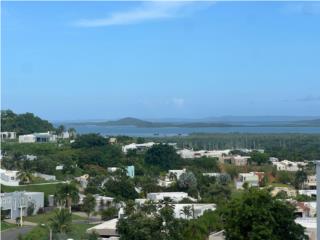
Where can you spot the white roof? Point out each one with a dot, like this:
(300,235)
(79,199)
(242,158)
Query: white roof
(105,226)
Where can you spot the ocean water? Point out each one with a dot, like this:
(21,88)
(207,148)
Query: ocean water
(176,131)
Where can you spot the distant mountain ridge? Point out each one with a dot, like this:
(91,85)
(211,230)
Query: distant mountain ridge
(130,121)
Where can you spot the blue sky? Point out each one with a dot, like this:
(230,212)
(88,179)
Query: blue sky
(104,60)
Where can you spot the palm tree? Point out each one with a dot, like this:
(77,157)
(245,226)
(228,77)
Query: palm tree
(61,221)
(186,211)
(72,132)
(25,176)
(69,193)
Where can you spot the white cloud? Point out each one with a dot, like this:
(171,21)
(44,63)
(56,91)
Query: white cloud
(144,12)
(178,102)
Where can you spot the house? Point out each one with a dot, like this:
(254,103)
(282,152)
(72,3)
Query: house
(59,167)
(136,146)
(197,209)
(175,196)
(31,157)
(311,182)
(38,137)
(187,153)
(45,176)
(239,160)
(129,170)
(310,193)
(302,210)
(9,178)
(251,178)
(310,225)
(112,140)
(287,165)
(289,191)
(101,201)
(170,177)
(65,135)
(106,230)
(8,135)
(16,203)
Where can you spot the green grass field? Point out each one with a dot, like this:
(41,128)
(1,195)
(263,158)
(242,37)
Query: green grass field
(48,189)
(43,218)
(41,233)
(5,225)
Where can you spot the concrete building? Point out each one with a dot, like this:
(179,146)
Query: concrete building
(187,153)
(287,165)
(251,178)
(197,209)
(310,193)
(112,140)
(311,182)
(129,170)
(38,137)
(175,196)
(239,160)
(45,176)
(8,135)
(106,201)
(9,178)
(16,203)
(289,191)
(136,146)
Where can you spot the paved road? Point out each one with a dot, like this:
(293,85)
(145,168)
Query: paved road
(13,233)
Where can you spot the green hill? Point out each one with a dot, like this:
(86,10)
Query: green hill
(23,123)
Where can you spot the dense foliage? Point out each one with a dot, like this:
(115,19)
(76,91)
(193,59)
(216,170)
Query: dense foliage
(282,145)
(23,123)
(256,215)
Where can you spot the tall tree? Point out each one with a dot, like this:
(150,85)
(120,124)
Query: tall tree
(89,204)
(162,155)
(255,214)
(69,193)
(61,221)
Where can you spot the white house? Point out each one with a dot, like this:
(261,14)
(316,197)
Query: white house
(197,209)
(175,196)
(8,135)
(107,201)
(136,146)
(38,137)
(12,203)
(239,160)
(310,193)
(9,178)
(187,153)
(311,182)
(251,178)
(287,165)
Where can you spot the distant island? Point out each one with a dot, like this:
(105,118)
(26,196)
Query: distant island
(130,121)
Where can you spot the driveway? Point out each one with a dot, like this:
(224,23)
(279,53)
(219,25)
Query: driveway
(13,233)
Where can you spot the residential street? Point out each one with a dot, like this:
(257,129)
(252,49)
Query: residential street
(13,233)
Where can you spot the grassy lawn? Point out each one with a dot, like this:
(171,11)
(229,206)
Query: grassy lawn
(48,189)
(43,218)
(41,233)
(5,226)
(281,185)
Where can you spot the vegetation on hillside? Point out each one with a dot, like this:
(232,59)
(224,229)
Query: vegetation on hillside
(23,123)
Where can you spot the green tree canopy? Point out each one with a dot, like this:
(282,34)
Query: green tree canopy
(255,214)
(162,155)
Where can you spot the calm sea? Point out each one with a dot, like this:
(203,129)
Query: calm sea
(174,131)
